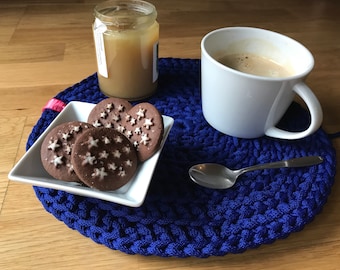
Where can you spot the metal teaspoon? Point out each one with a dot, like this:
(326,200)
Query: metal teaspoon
(216,176)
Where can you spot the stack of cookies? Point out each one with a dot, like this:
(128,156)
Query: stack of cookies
(104,152)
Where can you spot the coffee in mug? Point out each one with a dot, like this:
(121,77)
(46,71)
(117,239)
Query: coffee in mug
(249,77)
(254,64)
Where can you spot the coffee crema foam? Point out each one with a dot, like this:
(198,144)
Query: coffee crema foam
(255,65)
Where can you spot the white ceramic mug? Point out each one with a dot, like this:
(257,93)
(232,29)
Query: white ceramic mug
(249,106)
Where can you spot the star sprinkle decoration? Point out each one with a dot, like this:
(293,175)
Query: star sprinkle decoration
(70,168)
(120,129)
(128,163)
(112,166)
(99,173)
(103,115)
(88,159)
(96,123)
(129,134)
(138,130)
(57,160)
(140,113)
(121,108)
(118,139)
(109,107)
(126,149)
(53,145)
(65,136)
(92,142)
(117,154)
(148,123)
(67,149)
(116,117)
(133,121)
(106,140)
(144,139)
(77,129)
(108,125)
(103,155)
(121,172)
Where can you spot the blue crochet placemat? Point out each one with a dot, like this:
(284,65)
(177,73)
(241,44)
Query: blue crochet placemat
(182,219)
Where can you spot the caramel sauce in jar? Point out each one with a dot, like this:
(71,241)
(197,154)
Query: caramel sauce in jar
(126,36)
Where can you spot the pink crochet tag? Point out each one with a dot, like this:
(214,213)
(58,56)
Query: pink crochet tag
(55,105)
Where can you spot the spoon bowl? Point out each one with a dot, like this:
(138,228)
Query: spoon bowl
(216,176)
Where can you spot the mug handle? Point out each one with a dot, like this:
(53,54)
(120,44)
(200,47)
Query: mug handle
(315,111)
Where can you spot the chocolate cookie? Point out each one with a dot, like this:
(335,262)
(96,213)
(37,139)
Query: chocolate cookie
(57,148)
(143,125)
(109,113)
(104,159)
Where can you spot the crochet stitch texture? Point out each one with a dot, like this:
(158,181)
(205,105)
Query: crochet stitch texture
(182,219)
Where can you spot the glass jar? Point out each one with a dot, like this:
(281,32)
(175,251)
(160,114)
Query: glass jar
(126,36)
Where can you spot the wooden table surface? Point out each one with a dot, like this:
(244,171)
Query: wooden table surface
(46,46)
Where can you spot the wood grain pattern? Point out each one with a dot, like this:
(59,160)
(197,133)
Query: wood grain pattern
(46,46)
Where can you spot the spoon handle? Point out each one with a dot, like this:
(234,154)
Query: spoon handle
(295,162)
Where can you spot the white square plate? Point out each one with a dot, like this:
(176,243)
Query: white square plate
(30,170)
